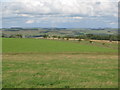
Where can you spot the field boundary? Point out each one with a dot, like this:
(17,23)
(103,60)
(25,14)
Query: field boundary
(93,53)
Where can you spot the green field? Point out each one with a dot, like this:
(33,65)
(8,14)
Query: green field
(49,46)
(40,63)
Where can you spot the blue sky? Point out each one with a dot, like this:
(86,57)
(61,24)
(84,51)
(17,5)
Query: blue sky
(60,13)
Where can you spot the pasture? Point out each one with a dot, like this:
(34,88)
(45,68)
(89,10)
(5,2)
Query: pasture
(41,63)
(11,45)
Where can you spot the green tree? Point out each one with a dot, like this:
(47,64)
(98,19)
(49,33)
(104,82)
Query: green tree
(45,36)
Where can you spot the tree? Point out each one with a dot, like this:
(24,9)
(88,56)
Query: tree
(16,36)
(19,36)
(59,37)
(45,36)
(91,41)
(79,38)
(89,36)
(54,36)
(110,38)
(67,38)
(4,35)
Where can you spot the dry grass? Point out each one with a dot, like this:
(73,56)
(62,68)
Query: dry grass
(60,70)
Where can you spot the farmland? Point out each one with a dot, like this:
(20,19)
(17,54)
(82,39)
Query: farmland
(42,63)
(57,31)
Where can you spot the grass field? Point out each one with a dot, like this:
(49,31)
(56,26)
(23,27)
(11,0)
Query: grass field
(49,46)
(39,63)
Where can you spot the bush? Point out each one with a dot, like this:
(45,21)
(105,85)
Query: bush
(16,36)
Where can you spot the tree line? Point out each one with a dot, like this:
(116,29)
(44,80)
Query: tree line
(86,36)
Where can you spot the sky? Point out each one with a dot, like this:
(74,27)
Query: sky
(59,13)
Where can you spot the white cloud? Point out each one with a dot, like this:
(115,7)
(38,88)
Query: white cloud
(77,17)
(81,7)
(113,23)
(25,15)
(30,21)
(36,11)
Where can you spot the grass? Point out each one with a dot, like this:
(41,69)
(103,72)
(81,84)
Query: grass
(39,63)
(0,64)
(49,46)
(59,71)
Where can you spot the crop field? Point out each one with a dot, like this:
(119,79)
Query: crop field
(41,63)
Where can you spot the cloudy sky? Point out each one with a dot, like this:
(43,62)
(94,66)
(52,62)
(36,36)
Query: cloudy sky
(60,13)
